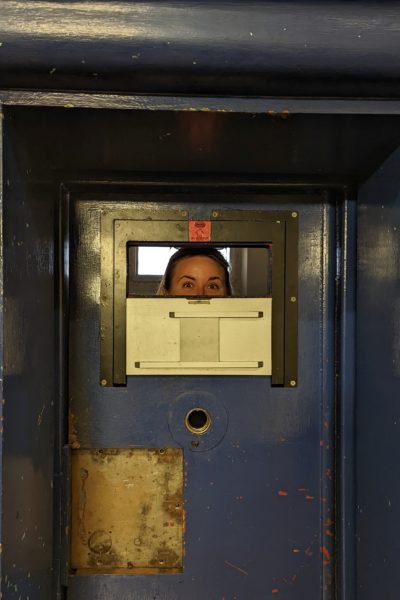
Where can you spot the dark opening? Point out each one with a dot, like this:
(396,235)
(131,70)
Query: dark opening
(198,420)
(250,269)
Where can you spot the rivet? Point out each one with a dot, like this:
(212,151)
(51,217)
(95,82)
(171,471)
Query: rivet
(184,213)
(294,215)
(293,299)
(103,382)
(215,213)
(293,383)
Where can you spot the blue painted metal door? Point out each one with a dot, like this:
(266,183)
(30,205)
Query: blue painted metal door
(259,505)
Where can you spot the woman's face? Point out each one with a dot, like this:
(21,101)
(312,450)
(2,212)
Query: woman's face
(197,276)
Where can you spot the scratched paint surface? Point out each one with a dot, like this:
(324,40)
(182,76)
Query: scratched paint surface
(127,509)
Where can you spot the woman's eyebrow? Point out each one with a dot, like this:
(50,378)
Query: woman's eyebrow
(216,277)
(187,277)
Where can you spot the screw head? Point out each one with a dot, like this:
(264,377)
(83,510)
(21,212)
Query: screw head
(103,382)
(215,213)
(293,299)
(184,213)
(293,383)
(294,215)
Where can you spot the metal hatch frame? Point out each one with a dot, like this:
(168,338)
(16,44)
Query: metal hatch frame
(121,227)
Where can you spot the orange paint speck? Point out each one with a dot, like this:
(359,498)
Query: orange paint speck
(184,521)
(310,497)
(325,552)
(296,550)
(329,532)
(282,493)
(275,590)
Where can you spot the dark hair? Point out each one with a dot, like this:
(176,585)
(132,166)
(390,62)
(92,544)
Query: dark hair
(189,251)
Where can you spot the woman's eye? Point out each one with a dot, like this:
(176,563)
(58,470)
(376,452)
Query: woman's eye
(187,284)
(213,286)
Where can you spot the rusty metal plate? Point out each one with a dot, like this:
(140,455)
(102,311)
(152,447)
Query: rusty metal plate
(127,509)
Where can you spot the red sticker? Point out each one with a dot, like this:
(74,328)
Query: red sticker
(199,231)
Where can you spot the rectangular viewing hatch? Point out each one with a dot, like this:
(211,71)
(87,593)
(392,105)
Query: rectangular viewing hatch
(150,328)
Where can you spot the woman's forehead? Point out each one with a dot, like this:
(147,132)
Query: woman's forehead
(198,262)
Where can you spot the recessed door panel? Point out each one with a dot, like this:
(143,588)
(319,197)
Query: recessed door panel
(257,473)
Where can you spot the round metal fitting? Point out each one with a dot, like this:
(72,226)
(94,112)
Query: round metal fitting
(198,421)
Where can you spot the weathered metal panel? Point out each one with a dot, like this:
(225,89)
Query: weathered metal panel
(127,509)
(378,384)
(29,375)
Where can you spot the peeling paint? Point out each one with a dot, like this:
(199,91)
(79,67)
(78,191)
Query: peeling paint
(127,510)
(282,114)
(40,416)
(72,432)
(326,554)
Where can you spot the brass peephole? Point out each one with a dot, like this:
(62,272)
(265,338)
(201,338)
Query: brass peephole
(198,421)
